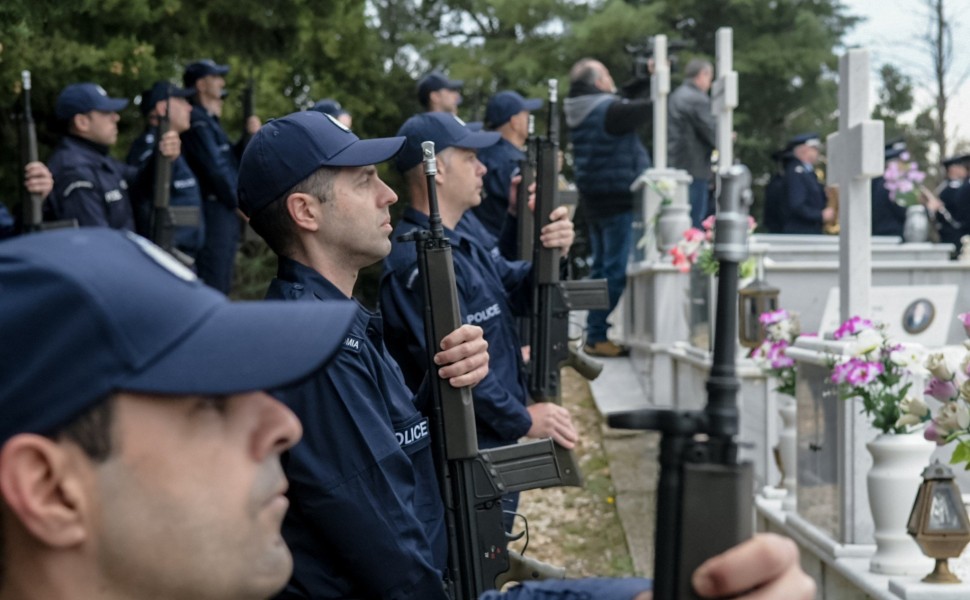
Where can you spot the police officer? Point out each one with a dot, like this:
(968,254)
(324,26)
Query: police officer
(366,517)
(90,185)
(329,106)
(776,193)
(492,291)
(507,113)
(438,93)
(805,206)
(953,220)
(215,162)
(888,218)
(160,100)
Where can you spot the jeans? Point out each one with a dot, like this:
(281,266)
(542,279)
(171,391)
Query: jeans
(626,588)
(697,192)
(609,241)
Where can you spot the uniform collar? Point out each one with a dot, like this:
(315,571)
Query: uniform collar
(295,272)
(420,220)
(79,141)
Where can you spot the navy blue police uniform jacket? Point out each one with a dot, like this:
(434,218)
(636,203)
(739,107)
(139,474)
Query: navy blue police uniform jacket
(7,222)
(90,185)
(366,518)
(806,199)
(888,218)
(491,291)
(503,161)
(184,191)
(215,162)
(956,198)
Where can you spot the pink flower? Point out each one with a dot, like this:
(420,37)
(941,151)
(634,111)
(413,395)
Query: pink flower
(681,262)
(941,390)
(774,316)
(708,223)
(776,356)
(931,434)
(857,372)
(694,235)
(853,326)
(905,156)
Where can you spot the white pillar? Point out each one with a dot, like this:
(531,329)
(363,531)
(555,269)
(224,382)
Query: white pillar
(724,98)
(659,90)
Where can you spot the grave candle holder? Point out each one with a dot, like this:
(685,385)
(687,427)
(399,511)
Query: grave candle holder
(755,299)
(938,521)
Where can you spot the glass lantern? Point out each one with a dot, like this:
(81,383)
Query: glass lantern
(939,522)
(754,299)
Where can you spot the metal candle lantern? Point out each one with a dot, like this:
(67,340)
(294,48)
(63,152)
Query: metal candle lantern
(754,299)
(939,522)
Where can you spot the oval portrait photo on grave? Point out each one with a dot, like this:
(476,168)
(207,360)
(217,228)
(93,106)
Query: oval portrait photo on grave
(918,316)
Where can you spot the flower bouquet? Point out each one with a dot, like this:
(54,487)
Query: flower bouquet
(948,384)
(697,247)
(902,180)
(877,371)
(781,329)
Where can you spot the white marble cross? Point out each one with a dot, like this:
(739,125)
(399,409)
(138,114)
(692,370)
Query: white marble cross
(724,97)
(659,90)
(855,156)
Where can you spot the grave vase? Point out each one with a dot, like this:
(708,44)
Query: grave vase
(917,226)
(892,482)
(672,221)
(788,450)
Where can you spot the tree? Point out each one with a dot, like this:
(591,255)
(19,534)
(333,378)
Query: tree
(895,100)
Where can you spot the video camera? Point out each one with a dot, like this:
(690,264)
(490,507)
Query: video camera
(642,53)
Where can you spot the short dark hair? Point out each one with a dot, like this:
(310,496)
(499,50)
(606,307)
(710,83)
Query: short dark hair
(273,222)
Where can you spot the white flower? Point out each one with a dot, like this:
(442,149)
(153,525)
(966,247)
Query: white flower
(868,341)
(912,405)
(912,359)
(953,416)
(941,365)
(907,420)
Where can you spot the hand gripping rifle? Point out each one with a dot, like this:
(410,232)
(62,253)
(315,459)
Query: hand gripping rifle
(165,217)
(704,493)
(33,204)
(472,481)
(553,298)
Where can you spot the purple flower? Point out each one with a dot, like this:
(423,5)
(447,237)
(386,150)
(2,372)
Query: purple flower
(965,319)
(776,355)
(941,390)
(774,316)
(931,434)
(905,156)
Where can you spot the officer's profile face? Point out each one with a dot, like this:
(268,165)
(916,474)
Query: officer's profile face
(211,86)
(445,100)
(957,171)
(355,222)
(460,177)
(97,126)
(188,504)
(179,113)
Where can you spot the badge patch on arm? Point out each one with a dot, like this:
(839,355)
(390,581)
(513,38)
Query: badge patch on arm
(352,344)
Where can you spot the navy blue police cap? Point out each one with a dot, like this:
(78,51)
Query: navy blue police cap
(202,68)
(505,105)
(445,130)
(961,159)
(286,151)
(329,106)
(80,98)
(159,91)
(895,148)
(811,138)
(92,311)
(434,81)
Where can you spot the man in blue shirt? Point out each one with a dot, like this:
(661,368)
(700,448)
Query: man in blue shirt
(90,185)
(508,114)
(215,162)
(367,512)
(184,188)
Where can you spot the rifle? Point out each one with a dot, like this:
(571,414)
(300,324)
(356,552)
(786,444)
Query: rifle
(33,204)
(248,110)
(698,449)
(553,298)
(472,481)
(165,217)
(525,227)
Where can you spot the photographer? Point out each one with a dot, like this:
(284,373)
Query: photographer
(608,157)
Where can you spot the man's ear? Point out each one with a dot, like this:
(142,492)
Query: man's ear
(303,209)
(41,486)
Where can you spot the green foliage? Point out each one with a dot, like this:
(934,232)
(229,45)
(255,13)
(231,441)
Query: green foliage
(368,55)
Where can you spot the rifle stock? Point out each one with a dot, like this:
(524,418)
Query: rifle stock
(471,482)
(698,450)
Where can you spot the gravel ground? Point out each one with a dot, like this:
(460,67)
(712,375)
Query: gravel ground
(579,528)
